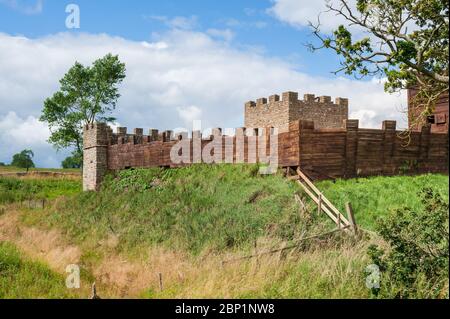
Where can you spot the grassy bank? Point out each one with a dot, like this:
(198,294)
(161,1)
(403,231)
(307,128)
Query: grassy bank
(374,197)
(195,209)
(21,278)
(184,223)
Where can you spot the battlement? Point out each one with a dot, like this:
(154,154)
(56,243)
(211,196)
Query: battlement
(101,134)
(292,97)
(276,111)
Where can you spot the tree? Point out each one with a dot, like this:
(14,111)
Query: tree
(418,254)
(408,44)
(73,161)
(87,94)
(23,159)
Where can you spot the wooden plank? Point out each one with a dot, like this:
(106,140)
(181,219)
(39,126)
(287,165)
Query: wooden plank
(314,188)
(319,205)
(316,200)
(351,217)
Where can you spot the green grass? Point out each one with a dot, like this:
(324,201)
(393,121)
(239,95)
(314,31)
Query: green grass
(216,207)
(374,197)
(25,279)
(17,190)
(194,208)
(221,209)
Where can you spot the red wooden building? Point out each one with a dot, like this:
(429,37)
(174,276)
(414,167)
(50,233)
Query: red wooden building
(438,120)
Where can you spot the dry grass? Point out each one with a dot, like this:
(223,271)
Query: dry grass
(329,270)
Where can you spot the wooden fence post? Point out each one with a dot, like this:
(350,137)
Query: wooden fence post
(160,282)
(389,128)
(351,148)
(351,217)
(319,205)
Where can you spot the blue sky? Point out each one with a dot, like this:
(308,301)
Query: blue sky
(250,22)
(186,60)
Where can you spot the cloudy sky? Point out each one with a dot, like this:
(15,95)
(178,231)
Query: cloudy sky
(186,60)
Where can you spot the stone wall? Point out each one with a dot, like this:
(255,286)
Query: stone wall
(95,155)
(276,112)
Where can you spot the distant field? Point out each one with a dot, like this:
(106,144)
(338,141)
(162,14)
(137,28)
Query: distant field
(16,190)
(10,169)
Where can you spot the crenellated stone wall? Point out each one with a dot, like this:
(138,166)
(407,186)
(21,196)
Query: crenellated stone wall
(276,112)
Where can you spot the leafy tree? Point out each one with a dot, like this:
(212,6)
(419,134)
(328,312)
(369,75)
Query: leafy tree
(87,94)
(408,44)
(2,164)
(23,159)
(74,161)
(419,249)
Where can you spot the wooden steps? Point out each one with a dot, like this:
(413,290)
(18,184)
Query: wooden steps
(323,204)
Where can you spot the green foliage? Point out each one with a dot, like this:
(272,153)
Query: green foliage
(17,190)
(419,248)
(373,197)
(74,161)
(23,159)
(87,94)
(408,44)
(2,164)
(21,278)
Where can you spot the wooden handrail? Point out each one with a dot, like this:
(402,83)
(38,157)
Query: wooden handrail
(314,188)
(319,198)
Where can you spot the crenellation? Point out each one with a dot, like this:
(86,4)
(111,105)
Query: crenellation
(341,101)
(389,125)
(309,98)
(290,97)
(274,98)
(325,99)
(217,131)
(167,136)
(122,131)
(276,113)
(250,104)
(261,101)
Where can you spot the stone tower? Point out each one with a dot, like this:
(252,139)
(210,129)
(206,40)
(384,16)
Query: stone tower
(276,112)
(95,155)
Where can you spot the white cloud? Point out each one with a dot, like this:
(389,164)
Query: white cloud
(227,35)
(184,23)
(189,114)
(299,13)
(234,23)
(183,75)
(29,7)
(19,133)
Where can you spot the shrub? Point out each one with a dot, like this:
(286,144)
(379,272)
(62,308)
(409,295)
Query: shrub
(419,249)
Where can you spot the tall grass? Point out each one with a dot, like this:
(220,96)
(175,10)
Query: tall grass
(25,279)
(17,190)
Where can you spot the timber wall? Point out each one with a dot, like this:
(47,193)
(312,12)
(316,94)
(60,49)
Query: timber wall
(327,153)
